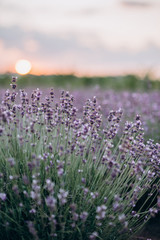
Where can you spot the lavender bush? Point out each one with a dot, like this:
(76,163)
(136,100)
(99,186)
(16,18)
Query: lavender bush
(145,104)
(63,177)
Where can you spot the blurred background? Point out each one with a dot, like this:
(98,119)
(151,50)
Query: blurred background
(84,38)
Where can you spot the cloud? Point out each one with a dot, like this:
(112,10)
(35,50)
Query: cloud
(45,44)
(86,12)
(31,45)
(8,56)
(55,51)
(136,3)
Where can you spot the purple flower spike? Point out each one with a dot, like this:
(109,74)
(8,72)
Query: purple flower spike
(3,196)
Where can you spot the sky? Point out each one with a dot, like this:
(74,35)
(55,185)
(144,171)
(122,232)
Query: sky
(86,37)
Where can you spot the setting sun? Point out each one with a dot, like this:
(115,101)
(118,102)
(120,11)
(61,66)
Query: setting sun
(23,66)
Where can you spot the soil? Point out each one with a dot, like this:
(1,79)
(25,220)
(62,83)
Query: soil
(151,231)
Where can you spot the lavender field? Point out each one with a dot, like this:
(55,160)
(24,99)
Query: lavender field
(81,165)
(145,104)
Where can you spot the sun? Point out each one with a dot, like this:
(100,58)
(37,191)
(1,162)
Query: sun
(23,66)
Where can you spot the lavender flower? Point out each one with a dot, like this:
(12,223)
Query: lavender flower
(93,236)
(101,212)
(11,161)
(158,202)
(84,216)
(51,202)
(49,186)
(62,196)
(3,196)
(35,193)
(32,229)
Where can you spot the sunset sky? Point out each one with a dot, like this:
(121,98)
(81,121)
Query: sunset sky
(95,37)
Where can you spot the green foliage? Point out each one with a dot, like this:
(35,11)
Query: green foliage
(128,82)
